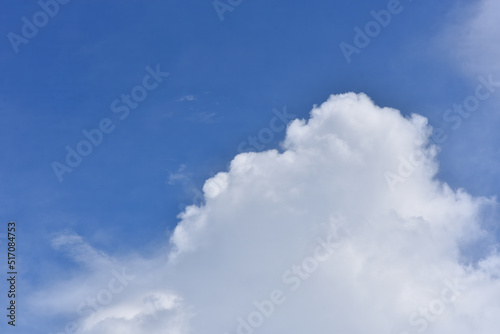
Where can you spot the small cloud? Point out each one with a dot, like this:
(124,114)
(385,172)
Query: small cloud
(187,98)
(178,176)
(79,250)
(202,117)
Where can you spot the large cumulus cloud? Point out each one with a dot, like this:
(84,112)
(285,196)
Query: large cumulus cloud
(313,238)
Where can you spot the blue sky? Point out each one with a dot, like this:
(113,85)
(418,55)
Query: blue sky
(225,78)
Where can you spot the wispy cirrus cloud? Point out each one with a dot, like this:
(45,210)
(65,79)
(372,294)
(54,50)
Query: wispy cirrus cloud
(471,37)
(188,97)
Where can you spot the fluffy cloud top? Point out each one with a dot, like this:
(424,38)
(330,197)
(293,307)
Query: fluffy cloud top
(313,238)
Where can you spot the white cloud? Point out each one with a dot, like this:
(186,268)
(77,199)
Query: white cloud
(179,176)
(80,251)
(473,37)
(395,253)
(187,98)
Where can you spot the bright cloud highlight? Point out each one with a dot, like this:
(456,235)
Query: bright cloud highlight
(311,238)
